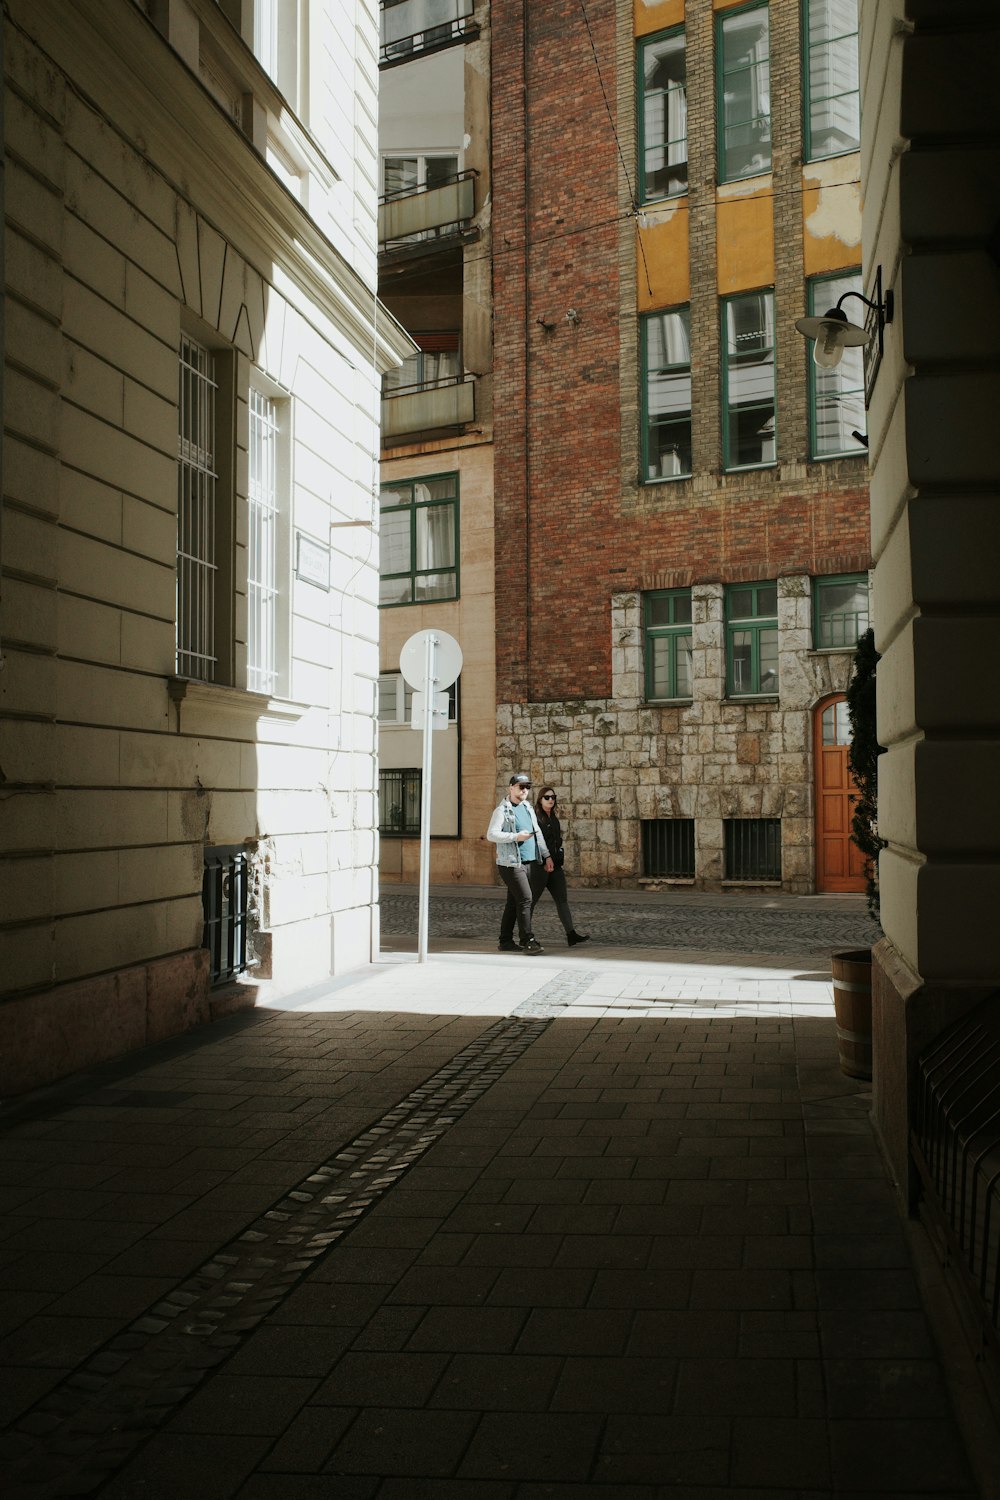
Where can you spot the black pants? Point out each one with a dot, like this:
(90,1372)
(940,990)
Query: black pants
(524,885)
(555,883)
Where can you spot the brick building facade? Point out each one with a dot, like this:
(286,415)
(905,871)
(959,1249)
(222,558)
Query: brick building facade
(593,256)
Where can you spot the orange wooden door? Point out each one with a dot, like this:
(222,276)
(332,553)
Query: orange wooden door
(840,865)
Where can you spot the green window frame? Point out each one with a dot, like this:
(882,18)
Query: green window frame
(749,435)
(668,640)
(841,607)
(837,396)
(831,93)
(743,92)
(661,92)
(419,540)
(752,640)
(666,394)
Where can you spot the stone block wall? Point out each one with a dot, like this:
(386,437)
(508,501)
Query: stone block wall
(619,761)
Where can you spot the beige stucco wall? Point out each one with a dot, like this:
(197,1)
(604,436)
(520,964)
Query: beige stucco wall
(118,776)
(931,174)
(465,765)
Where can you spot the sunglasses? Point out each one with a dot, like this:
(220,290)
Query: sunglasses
(549,797)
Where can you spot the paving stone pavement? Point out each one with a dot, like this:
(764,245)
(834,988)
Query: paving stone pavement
(679,920)
(483,1226)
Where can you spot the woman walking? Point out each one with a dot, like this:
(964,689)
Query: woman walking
(554,880)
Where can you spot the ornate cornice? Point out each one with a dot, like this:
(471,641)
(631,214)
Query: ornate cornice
(119,63)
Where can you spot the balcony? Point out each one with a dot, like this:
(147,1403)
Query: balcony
(417,410)
(419,220)
(410,28)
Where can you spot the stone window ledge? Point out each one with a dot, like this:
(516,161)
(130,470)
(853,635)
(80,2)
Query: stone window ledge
(239,702)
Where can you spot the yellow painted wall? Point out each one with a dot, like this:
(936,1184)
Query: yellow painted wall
(663,270)
(657,15)
(831,215)
(744,239)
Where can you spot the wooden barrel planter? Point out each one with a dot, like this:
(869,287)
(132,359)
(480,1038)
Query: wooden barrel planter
(852,1003)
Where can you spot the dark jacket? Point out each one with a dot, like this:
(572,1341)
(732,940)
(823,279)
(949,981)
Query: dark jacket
(552,834)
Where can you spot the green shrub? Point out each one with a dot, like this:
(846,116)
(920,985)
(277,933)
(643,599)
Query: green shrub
(862,760)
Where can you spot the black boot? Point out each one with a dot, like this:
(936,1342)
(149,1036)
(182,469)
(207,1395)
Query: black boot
(572,938)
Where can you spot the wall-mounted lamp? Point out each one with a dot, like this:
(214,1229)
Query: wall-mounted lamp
(834,333)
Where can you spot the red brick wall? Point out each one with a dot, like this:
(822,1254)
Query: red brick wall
(571,526)
(557,407)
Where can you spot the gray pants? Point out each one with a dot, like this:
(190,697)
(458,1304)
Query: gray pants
(555,883)
(522,882)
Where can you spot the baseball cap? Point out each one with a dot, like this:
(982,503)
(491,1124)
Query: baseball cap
(520,779)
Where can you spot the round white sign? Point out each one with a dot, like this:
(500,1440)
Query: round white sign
(446,660)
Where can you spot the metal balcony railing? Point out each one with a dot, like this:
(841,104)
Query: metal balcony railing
(415,409)
(409,27)
(418,215)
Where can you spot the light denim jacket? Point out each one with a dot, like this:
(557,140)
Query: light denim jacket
(503,833)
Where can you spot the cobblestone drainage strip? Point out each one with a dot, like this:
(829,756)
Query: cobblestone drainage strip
(86,1427)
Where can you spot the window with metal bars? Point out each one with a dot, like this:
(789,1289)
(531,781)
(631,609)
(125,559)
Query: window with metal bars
(225,896)
(752,848)
(262,548)
(196,513)
(399,801)
(668,848)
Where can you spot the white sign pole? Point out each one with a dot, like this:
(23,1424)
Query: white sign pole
(430,681)
(427,659)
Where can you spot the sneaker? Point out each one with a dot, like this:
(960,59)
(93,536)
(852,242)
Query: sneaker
(532,946)
(510,947)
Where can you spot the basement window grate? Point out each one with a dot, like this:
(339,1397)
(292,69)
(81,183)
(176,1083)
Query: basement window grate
(225,896)
(956,1147)
(753,848)
(668,848)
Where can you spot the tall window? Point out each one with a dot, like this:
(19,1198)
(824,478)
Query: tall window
(419,535)
(437,362)
(832,94)
(666,351)
(748,409)
(196,514)
(275,43)
(743,82)
(836,397)
(668,643)
(663,116)
(752,639)
(263,546)
(840,610)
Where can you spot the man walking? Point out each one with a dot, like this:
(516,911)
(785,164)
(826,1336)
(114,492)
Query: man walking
(521,854)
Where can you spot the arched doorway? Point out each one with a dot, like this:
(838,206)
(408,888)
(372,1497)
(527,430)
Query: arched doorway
(839,864)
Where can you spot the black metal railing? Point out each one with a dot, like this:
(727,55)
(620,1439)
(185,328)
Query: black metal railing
(225,896)
(956,1146)
(409,27)
(399,802)
(668,848)
(752,848)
